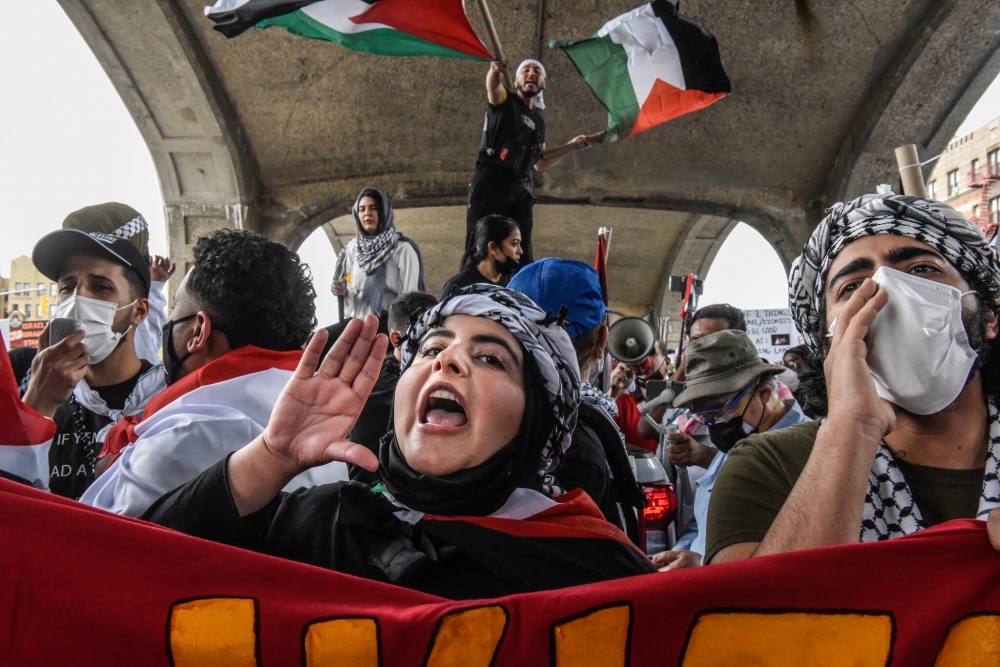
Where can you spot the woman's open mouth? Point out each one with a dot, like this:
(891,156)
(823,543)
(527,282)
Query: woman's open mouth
(442,408)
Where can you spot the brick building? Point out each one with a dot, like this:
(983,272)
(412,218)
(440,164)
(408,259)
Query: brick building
(4,287)
(31,293)
(967,176)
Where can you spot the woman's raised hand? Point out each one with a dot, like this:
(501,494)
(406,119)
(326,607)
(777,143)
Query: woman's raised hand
(312,417)
(316,410)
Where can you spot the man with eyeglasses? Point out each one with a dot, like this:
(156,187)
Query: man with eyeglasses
(732,391)
(232,341)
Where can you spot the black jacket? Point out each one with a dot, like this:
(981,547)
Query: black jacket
(350,528)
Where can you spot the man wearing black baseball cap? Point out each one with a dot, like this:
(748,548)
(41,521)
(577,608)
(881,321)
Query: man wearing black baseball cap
(125,222)
(91,378)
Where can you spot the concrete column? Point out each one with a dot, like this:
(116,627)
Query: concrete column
(168,85)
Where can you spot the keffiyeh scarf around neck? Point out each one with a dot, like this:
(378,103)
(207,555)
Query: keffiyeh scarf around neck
(373,252)
(890,510)
(596,398)
(931,222)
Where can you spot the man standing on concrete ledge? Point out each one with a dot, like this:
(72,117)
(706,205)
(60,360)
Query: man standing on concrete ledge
(513,143)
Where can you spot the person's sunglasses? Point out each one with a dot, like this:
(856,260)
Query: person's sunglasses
(721,412)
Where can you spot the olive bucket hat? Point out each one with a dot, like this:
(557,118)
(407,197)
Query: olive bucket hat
(721,363)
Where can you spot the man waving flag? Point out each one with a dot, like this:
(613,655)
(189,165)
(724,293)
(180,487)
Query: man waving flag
(649,66)
(379,27)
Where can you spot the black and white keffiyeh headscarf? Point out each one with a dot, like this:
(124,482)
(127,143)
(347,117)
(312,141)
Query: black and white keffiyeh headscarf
(890,510)
(373,251)
(596,398)
(540,334)
(931,222)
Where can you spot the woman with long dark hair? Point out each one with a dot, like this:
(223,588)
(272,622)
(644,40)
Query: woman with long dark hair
(493,257)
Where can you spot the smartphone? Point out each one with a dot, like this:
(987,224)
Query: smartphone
(654,388)
(63,327)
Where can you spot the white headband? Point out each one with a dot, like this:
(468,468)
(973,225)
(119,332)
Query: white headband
(539,98)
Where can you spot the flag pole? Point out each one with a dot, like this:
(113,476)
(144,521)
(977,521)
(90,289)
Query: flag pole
(604,234)
(597,138)
(909,171)
(491,32)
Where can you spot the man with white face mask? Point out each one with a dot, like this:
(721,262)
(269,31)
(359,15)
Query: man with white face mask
(93,378)
(899,296)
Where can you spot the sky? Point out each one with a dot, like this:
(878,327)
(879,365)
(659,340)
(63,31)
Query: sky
(68,142)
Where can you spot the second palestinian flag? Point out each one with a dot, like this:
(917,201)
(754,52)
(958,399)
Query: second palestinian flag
(379,27)
(649,66)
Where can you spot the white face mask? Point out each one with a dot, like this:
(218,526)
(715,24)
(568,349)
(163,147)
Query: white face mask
(97,318)
(600,367)
(918,350)
(788,378)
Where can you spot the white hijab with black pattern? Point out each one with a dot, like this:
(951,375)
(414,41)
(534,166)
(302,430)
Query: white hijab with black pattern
(540,334)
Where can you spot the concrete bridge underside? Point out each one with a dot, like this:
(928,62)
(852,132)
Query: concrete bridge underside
(277,133)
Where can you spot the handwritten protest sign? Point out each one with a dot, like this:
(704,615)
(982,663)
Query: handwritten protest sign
(772,331)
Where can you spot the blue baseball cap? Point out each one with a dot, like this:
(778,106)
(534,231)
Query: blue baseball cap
(553,283)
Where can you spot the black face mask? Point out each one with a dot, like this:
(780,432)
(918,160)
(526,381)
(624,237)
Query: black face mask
(171,362)
(508,267)
(727,434)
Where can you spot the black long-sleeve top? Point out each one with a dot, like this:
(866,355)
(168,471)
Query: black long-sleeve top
(350,528)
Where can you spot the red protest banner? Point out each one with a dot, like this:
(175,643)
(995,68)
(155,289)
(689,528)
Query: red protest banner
(83,587)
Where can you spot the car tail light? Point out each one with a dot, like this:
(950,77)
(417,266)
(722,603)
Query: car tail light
(660,510)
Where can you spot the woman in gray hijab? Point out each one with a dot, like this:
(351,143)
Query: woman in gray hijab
(379,264)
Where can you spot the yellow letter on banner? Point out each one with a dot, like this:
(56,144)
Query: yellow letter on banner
(344,642)
(468,638)
(791,638)
(972,642)
(214,631)
(598,639)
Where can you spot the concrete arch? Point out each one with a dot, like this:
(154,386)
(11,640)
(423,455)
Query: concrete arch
(152,58)
(272,132)
(937,74)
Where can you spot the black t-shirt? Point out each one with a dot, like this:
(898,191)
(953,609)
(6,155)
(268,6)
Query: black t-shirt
(513,135)
(74,451)
(469,276)
(20,360)
(373,422)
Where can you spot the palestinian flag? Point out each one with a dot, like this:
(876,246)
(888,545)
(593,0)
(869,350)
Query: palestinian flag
(19,424)
(601,262)
(650,66)
(380,27)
